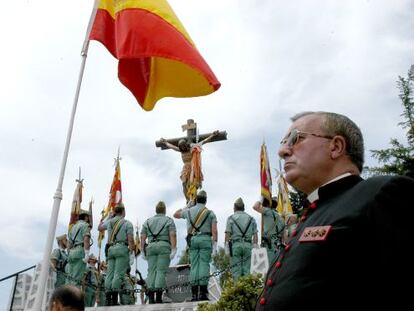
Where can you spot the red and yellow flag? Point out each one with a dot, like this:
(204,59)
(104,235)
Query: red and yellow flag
(115,196)
(157,57)
(265,177)
(76,203)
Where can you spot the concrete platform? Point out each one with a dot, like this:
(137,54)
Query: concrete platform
(182,306)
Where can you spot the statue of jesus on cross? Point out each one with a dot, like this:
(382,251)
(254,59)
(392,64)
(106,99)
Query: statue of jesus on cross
(190,149)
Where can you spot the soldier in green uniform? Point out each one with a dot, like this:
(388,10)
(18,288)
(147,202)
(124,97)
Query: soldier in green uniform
(121,251)
(202,240)
(59,259)
(291,221)
(241,230)
(162,247)
(127,296)
(79,245)
(101,285)
(90,282)
(273,227)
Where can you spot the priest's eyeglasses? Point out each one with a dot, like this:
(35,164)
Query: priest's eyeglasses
(293,137)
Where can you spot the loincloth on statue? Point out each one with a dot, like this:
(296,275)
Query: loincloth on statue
(185,172)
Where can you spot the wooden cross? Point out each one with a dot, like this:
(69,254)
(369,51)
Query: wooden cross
(191,128)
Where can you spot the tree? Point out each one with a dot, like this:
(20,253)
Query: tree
(240,295)
(221,262)
(296,199)
(399,158)
(184,258)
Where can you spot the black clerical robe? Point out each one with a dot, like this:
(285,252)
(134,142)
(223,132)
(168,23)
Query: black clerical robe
(353,250)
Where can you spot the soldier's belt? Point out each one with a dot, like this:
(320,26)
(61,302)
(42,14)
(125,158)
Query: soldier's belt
(159,240)
(120,242)
(204,233)
(242,240)
(79,244)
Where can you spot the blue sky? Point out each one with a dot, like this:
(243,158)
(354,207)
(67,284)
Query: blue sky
(274,58)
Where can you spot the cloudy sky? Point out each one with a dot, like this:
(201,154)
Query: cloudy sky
(274,58)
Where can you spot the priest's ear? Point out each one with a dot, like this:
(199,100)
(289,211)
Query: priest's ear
(337,147)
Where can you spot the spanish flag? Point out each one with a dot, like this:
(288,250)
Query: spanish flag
(157,57)
(265,177)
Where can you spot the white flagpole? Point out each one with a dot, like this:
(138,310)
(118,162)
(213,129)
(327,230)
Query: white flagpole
(57,198)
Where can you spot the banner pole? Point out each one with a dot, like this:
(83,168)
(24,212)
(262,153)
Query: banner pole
(57,198)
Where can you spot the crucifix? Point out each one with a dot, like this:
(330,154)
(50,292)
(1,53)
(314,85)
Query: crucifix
(190,149)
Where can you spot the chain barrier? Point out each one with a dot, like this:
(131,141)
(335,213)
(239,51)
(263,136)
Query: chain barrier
(139,290)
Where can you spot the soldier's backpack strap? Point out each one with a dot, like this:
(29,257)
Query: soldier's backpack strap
(61,262)
(238,226)
(115,230)
(198,223)
(155,236)
(275,224)
(72,241)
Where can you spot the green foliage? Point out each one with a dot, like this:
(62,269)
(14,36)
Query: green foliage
(222,261)
(239,296)
(399,159)
(184,258)
(296,199)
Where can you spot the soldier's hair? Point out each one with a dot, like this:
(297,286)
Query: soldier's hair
(83,216)
(238,207)
(265,202)
(274,202)
(338,124)
(68,296)
(160,208)
(119,208)
(201,199)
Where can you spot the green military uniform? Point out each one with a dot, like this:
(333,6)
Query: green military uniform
(90,286)
(157,229)
(118,254)
(241,227)
(77,266)
(128,290)
(61,258)
(101,286)
(201,243)
(273,226)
